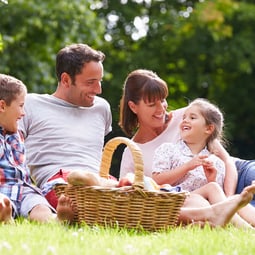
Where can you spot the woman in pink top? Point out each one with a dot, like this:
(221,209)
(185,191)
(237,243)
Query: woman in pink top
(143,116)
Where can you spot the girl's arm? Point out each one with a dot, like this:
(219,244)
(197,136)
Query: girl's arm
(170,176)
(163,173)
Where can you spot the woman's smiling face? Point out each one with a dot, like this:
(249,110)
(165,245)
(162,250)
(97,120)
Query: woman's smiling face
(151,113)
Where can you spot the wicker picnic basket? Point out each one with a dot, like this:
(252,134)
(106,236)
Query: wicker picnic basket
(130,207)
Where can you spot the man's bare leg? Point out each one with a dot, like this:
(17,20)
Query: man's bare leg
(43,213)
(65,209)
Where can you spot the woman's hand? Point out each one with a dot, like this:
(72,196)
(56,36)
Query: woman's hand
(231,176)
(168,117)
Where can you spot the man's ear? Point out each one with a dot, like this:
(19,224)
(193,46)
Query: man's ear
(66,79)
(2,105)
(132,106)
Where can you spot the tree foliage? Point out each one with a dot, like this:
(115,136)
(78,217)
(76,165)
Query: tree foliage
(201,48)
(33,32)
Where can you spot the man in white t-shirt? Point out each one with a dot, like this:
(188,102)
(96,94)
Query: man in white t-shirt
(65,130)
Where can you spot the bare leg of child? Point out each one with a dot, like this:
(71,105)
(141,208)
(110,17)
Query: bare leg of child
(5,209)
(218,214)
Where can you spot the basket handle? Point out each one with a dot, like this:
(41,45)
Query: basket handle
(108,151)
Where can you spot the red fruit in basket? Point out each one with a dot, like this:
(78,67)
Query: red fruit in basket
(126,180)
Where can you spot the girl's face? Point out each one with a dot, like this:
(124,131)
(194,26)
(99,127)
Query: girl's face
(151,114)
(12,113)
(193,126)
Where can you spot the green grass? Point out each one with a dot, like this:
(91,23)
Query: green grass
(26,238)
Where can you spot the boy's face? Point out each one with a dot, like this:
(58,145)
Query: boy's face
(12,113)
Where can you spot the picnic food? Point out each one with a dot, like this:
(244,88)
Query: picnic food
(84,178)
(81,177)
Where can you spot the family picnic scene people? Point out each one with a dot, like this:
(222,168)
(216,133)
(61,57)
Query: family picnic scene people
(38,132)
(126,127)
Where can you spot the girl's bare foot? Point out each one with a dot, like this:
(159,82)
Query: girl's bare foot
(247,194)
(5,210)
(65,209)
(225,210)
(218,214)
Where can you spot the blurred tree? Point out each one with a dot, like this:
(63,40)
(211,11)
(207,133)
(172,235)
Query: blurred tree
(34,31)
(220,65)
(201,48)
(1,41)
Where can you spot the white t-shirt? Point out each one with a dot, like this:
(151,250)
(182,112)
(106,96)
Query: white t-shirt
(59,135)
(170,134)
(169,156)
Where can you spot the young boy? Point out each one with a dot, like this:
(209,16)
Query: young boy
(18,196)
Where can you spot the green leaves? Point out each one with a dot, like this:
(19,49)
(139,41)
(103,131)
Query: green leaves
(201,48)
(34,31)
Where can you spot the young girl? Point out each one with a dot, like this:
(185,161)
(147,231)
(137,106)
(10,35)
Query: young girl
(189,162)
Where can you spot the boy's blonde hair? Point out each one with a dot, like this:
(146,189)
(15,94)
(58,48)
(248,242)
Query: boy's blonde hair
(10,88)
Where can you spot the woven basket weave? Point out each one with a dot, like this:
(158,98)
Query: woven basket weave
(130,207)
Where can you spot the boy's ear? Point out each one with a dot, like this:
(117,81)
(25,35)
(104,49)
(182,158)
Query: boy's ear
(2,105)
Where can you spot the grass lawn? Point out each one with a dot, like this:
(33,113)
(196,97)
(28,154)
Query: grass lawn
(24,238)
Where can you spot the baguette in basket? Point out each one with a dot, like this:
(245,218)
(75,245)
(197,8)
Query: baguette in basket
(84,178)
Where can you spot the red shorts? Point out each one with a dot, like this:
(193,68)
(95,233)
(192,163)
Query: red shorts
(51,196)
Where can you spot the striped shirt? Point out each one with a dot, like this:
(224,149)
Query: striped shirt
(14,172)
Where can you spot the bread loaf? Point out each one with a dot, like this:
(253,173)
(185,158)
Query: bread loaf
(81,177)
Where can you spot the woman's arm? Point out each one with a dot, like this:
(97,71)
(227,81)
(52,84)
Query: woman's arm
(127,163)
(231,175)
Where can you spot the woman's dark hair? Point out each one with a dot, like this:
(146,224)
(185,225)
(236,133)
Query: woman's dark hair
(139,85)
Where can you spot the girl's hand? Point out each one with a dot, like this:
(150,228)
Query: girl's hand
(196,161)
(210,171)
